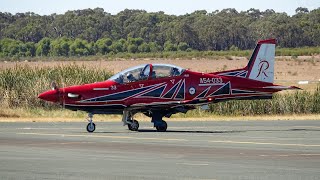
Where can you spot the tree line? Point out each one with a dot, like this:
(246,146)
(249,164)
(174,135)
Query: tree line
(96,32)
(79,47)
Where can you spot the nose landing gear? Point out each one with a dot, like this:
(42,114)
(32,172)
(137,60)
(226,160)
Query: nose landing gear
(91,126)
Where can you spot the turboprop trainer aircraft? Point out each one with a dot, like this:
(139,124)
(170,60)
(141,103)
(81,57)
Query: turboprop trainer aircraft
(160,90)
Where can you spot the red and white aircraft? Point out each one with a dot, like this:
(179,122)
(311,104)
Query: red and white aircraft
(160,90)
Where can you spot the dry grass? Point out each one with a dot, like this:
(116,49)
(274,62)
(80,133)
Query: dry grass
(306,68)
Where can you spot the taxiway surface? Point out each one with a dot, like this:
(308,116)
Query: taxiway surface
(188,150)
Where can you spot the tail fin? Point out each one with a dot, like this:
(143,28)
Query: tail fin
(261,64)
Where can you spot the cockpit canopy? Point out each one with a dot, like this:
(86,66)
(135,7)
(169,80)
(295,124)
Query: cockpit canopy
(147,71)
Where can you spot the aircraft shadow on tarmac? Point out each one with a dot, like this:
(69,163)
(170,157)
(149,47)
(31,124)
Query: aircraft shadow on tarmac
(208,132)
(228,131)
(190,131)
(172,131)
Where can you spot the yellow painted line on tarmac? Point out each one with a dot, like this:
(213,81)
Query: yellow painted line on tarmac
(266,143)
(102,136)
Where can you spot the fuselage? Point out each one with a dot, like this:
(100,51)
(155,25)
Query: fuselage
(187,89)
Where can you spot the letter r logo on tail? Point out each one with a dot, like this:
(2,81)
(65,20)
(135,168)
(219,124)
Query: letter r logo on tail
(261,64)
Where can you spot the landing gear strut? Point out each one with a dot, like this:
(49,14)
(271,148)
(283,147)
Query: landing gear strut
(91,126)
(133,125)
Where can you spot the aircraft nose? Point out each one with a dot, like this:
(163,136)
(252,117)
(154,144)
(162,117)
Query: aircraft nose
(51,95)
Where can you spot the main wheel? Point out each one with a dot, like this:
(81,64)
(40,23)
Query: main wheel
(91,127)
(162,127)
(134,126)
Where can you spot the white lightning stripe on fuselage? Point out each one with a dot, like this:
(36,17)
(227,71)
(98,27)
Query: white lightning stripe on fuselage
(171,89)
(88,100)
(236,73)
(140,95)
(100,89)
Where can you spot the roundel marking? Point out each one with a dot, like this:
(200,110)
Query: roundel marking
(192,90)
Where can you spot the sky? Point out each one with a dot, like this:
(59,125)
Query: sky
(176,7)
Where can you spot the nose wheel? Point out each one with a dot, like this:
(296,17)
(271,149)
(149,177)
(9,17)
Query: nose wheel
(91,126)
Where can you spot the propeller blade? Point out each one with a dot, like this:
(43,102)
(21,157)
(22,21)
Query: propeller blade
(54,85)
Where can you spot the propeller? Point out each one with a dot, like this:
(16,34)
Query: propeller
(54,85)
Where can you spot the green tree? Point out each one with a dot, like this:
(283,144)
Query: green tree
(102,46)
(80,47)
(301,10)
(154,47)
(132,48)
(9,47)
(168,46)
(200,30)
(144,47)
(119,46)
(60,47)
(183,46)
(43,47)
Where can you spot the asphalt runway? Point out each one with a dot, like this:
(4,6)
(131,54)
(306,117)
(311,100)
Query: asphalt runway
(188,150)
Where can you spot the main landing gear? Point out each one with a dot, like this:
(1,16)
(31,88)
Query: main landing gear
(133,125)
(91,126)
(162,127)
(159,124)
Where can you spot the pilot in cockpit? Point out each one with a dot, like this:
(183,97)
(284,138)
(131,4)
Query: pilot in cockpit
(153,75)
(131,78)
(174,71)
(120,79)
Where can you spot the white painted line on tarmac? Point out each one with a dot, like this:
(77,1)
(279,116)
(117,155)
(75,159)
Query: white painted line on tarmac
(266,143)
(170,139)
(287,155)
(102,136)
(193,164)
(309,154)
(66,143)
(51,128)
